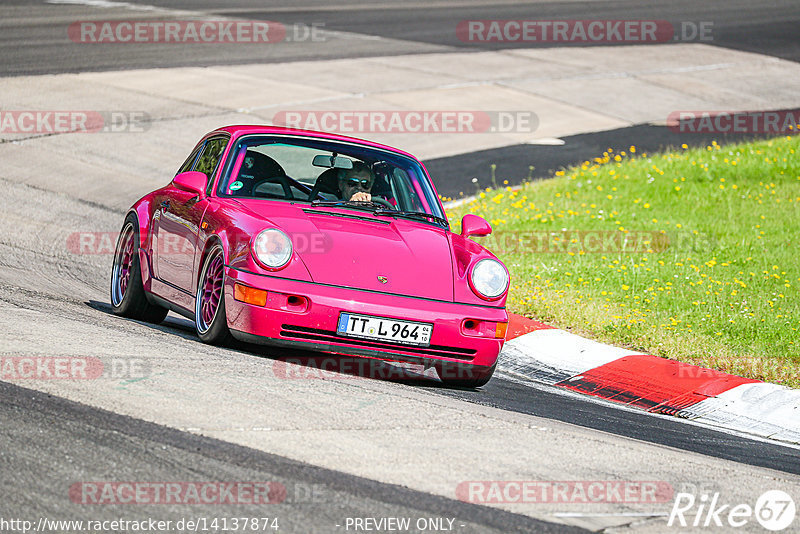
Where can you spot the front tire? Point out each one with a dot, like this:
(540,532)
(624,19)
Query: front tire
(210,320)
(128,298)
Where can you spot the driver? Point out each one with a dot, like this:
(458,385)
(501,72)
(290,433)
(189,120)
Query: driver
(356,184)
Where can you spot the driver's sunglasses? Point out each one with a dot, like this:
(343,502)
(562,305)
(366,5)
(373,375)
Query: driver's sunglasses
(366,183)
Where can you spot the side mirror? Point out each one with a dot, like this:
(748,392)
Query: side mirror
(192,181)
(474,225)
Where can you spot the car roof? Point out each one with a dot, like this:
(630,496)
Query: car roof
(243,129)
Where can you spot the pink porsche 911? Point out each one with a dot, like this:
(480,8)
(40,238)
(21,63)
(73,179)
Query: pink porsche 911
(317,241)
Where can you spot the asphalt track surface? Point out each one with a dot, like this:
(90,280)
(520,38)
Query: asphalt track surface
(96,443)
(34,41)
(48,442)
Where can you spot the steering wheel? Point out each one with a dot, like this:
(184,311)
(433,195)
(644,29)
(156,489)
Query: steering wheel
(315,194)
(383,202)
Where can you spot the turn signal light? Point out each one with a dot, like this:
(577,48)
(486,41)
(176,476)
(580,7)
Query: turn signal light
(500,331)
(250,295)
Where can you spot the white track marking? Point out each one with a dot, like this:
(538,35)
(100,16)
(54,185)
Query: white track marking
(541,386)
(106,4)
(556,355)
(760,408)
(621,514)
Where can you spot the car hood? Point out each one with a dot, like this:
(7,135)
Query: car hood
(351,248)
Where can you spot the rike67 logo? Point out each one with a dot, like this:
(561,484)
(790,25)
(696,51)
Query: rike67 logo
(774,510)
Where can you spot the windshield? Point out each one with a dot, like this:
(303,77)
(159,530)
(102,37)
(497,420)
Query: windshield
(327,173)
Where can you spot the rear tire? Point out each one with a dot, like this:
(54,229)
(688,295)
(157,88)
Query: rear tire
(128,298)
(464,375)
(210,320)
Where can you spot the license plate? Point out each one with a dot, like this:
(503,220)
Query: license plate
(381,328)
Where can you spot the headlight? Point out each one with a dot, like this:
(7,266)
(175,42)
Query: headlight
(489,278)
(272,248)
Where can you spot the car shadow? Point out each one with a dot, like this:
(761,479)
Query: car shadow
(294,364)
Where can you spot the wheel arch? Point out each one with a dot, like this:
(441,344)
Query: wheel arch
(210,243)
(216,332)
(142,213)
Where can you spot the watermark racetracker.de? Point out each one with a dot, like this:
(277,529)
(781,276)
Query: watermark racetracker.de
(584,32)
(176,493)
(73,368)
(193,32)
(578,242)
(350,368)
(72,121)
(776,122)
(564,491)
(102,243)
(769,370)
(409,121)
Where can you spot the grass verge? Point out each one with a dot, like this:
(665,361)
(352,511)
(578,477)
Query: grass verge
(690,254)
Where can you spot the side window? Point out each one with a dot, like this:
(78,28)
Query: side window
(187,165)
(209,158)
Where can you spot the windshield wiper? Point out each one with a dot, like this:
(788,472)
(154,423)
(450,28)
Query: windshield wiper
(348,203)
(412,215)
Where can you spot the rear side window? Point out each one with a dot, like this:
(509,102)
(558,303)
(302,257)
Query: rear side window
(187,165)
(209,158)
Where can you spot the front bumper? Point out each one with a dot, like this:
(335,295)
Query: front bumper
(305,315)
